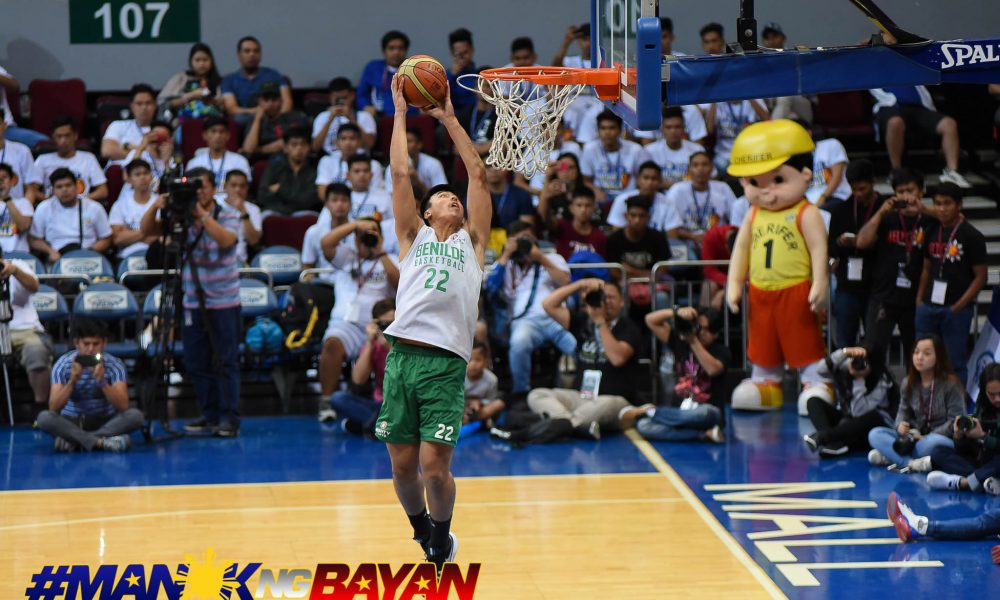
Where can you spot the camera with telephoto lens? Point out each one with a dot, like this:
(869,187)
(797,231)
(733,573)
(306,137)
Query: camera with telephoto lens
(904,444)
(369,239)
(524,246)
(859,363)
(965,423)
(685,327)
(594,298)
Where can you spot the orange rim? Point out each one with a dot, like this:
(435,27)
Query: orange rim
(604,81)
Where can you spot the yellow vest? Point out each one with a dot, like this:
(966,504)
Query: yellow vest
(779,256)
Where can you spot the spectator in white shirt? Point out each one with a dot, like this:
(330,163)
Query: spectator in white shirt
(31,345)
(126,213)
(727,120)
(158,154)
(673,152)
(67,221)
(336,212)
(609,162)
(216,158)
(122,135)
(16,215)
(90,179)
(701,202)
(425,170)
(326,127)
(365,199)
(251,222)
(18,156)
(333,167)
(663,213)
(829,184)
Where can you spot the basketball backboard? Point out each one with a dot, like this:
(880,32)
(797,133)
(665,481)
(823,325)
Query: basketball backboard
(626,33)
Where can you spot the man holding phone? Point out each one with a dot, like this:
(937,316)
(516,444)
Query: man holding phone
(88,403)
(897,234)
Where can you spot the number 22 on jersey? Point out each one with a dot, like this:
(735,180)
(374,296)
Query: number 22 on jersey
(442,277)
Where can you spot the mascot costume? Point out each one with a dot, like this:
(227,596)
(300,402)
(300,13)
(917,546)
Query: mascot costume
(782,246)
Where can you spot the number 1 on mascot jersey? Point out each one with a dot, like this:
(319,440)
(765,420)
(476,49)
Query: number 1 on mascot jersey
(782,249)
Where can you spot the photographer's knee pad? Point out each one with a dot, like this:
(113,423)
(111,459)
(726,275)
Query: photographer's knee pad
(816,390)
(764,395)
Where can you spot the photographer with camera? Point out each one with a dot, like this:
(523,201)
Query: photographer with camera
(700,359)
(521,278)
(932,397)
(865,397)
(896,233)
(88,404)
(366,274)
(210,278)
(974,463)
(607,360)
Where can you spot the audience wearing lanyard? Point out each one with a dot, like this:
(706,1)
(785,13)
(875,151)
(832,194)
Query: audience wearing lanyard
(939,289)
(364,202)
(701,212)
(736,117)
(902,281)
(476,124)
(502,201)
(220,173)
(618,165)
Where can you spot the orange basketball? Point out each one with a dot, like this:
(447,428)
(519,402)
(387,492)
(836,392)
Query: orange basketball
(426,82)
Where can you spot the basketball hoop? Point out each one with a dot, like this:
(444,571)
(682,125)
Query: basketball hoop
(530,102)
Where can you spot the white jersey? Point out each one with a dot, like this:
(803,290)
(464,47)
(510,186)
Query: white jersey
(437,301)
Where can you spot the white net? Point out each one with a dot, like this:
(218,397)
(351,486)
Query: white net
(527,121)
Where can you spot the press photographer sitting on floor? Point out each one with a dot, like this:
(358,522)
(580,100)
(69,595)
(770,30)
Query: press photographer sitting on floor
(88,404)
(697,360)
(211,303)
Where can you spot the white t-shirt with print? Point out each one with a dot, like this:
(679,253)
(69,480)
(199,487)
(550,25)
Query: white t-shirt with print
(12,240)
(354,303)
(19,157)
(333,169)
(230,161)
(739,210)
(60,225)
(158,168)
(366,122)
(613,171)
(83,164)
(694,126)
(128,213)
(364,204)
(828,153)
(663,214)
(673,163)
(697,209)
(730,119)
(126,131)
(430,172)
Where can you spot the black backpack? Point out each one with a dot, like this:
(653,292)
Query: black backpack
(306,313)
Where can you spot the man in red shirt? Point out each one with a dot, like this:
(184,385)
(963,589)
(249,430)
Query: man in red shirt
(717,245)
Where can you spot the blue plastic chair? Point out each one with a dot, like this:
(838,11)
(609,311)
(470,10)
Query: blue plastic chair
(256,299)
(284,263)
(53,312)
(37,266)
(114,303)
(84,262)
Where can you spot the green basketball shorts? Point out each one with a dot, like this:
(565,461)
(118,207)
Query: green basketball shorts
(423,396)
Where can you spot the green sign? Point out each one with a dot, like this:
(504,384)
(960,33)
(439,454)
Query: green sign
(131,22)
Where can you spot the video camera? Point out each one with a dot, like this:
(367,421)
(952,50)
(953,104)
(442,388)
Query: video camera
(182,195)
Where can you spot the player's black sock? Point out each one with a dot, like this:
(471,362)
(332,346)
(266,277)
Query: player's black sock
(439,534)
(421,526)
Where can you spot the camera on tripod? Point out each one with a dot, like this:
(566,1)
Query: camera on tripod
(182,195)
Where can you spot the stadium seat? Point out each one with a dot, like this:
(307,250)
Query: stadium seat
(113,303)
(284,263)
(52,98)
(53,312)
(191,138)
(282,230)
(256,299)
(116,180)
(84,262)
(112,108)
(843,114)
(37,266)
(315,102)
(257,171)
(426,125)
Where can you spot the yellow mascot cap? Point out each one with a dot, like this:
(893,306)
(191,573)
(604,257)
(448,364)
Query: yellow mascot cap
(767,145)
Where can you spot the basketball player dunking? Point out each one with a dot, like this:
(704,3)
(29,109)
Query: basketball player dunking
(437,305)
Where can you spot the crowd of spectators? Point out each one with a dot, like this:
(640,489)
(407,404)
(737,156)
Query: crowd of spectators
(610,193)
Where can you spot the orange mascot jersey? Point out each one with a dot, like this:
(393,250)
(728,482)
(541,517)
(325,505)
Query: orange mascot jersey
(782,329)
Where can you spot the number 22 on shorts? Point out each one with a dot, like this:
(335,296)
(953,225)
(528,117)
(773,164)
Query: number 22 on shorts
(444,432)
(443,279)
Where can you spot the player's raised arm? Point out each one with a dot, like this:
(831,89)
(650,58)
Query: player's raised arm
(404,205)
(478,200)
